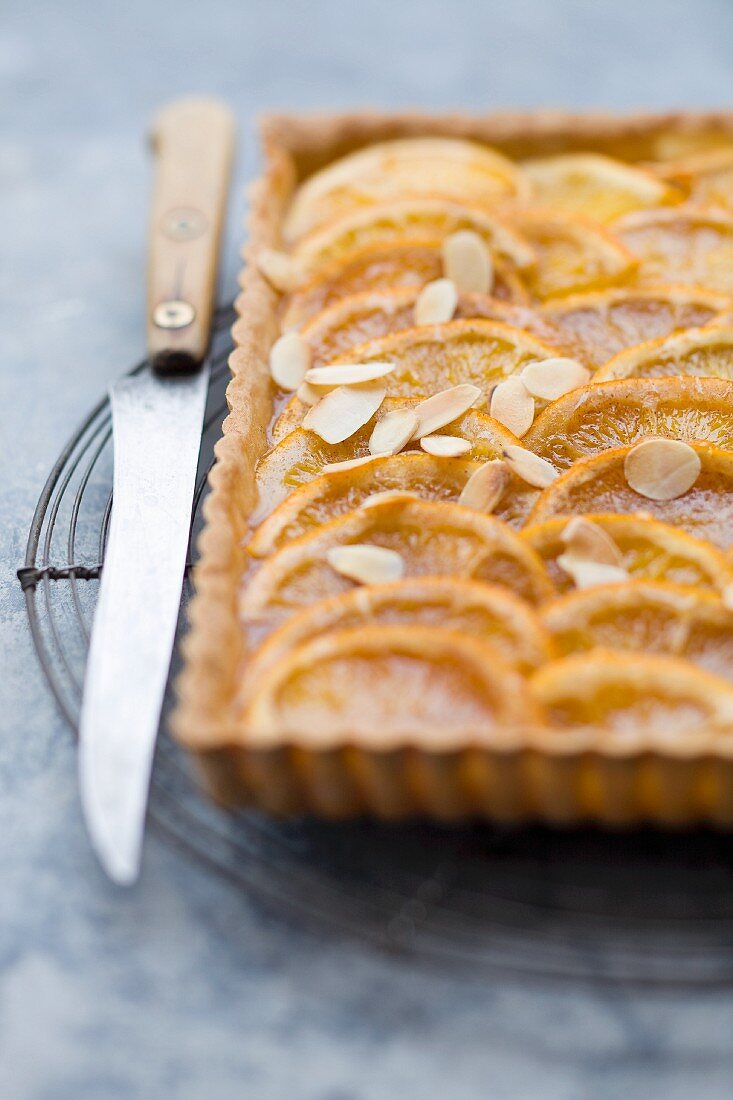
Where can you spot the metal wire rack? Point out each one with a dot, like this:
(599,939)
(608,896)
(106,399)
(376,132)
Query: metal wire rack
(644,907)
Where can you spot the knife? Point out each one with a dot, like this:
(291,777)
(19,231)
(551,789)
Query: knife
(157,418)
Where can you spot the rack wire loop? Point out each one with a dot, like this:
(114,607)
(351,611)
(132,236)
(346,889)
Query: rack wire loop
(641,907)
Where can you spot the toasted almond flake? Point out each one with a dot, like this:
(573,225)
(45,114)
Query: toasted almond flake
(290,357)
(513,406)
(436,302)
(343,411)
(662,469)
(551,378)
(536,471)
(351,463)
(486,486)
(727,597)
(467,262)
(443,408)
(393,432)
(445,446)
(308,395)
(348,374)
(387,494)
(366,564)
(585,539)
(586,574)
(280,270)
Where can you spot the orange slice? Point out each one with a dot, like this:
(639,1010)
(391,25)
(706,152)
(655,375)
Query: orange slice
(594,186)
(680,245)
(629,700)
(706,352)
(299,456)
(401,222)
(482,610)
(432,358)
(399,265)
(707,177)
(432,539)
(601,323)
(572,255)
(377,313)
(618,413)
(650,550)
(387,686)
(462,171)
(645,616)
(599,485)
(332,494)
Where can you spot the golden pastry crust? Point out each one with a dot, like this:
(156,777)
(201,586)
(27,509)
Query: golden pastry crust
(536,773)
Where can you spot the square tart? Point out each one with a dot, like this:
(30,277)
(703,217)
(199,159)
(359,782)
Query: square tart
(529,768)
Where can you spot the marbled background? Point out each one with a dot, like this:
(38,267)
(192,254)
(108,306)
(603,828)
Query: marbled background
(183,987)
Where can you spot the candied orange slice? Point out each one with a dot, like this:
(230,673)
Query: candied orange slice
(680,245)
(631,698)
(481,610)
(601,323)
(299,456)
(707,177)
(432,358)
(401,222)
(572,254)
(599,485)
(706,352)
(594,186)
(332,494)
(377,313)
(646,616)
(461,171)
(618,413)
(649,550)
(398,265)
(387,686)
(432,539)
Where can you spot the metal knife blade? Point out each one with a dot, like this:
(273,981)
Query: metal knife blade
(157,417)
(157,432)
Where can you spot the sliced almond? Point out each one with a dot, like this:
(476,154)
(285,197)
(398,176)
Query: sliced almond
(530,467)
(513,406)
(551,378)
(586,574)
(467,262)
(662,469)
(343,411)
(445,446)
(350,463)
(486,486)
(280,270)
(366,564)
(308,395)
(393,432)
(348,374)
(388,494)
(443,408)
(290,358)
(436,303)
(585,539)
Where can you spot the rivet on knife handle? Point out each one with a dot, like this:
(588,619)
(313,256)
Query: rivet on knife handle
(193,140)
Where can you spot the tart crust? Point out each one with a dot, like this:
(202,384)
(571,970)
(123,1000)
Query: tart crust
(528,774)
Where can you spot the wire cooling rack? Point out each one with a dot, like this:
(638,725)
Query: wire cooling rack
(647,907)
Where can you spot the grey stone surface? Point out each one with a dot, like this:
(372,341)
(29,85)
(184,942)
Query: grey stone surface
(183,987)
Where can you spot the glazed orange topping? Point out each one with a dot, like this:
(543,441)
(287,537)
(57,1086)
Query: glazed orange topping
(497,493)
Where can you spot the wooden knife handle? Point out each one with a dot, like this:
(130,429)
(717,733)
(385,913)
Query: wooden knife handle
(193,142)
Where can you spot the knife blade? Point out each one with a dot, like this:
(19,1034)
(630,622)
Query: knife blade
(157,418)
